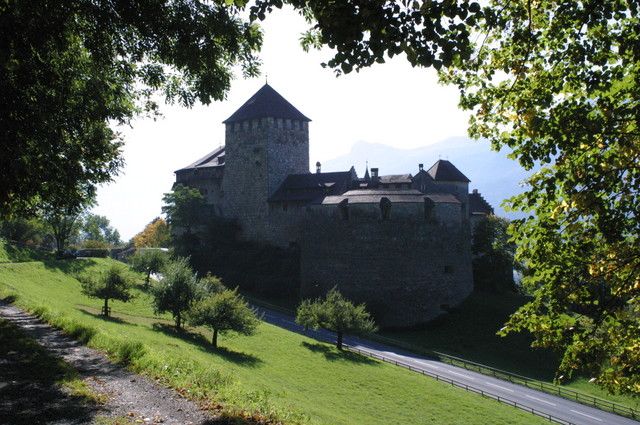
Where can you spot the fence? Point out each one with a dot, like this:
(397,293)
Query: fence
(546,387)
(465,387)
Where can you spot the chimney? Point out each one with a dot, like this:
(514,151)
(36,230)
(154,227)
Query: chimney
(475,191)
(318,167)
(374,173)
(420,167)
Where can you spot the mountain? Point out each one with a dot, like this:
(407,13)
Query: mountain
(494,175)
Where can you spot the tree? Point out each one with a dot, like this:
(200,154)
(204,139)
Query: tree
(176,291)
(558,84)
(337,314)
(98,228)
(149,261)
(156,234)
(113,284)
(63,221)
(493,255)
(185,207)
(222,312)
(71,68)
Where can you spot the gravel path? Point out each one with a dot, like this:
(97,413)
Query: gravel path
(129,395)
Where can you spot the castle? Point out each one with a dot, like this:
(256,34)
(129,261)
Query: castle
(399,243)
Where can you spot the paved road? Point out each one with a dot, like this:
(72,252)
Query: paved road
(566,410)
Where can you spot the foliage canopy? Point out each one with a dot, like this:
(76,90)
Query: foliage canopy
(176,291)
(224,311)
(70,68)
(112,284)
(337,314)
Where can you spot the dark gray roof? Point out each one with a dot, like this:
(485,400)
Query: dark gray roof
(395,178)
(478,205)
(443,170)
(373,196)
(312,187)
(212,159)
(266,102)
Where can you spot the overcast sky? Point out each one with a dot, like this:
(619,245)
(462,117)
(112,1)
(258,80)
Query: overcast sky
(392,104)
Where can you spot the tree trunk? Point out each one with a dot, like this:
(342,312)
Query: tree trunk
(214,339)
(146,282)
(106,307)
(178,322)
(339,341)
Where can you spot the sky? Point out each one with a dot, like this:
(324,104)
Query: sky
(392,104)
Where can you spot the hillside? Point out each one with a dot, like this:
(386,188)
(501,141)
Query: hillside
(276,373)
(492,173)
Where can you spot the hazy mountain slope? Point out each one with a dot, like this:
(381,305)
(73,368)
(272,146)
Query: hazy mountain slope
(492,173)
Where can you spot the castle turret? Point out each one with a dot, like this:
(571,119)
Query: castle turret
(266,140)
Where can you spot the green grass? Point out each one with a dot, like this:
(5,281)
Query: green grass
(13,254)
(275,373)
(469,332)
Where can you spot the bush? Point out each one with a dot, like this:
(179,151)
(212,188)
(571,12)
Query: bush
(93,252)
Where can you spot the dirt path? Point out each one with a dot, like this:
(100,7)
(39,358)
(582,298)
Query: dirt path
(129,395)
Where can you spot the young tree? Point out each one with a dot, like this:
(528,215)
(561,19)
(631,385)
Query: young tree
(113,284)
(149,261)
(336,314)
(222,312)
(176,291)
(156,234)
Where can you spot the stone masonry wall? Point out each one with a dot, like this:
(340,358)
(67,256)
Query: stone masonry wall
(259,155)
(407,271)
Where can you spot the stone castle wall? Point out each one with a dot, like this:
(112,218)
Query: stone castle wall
(259,155)
(406,270)
(208,181)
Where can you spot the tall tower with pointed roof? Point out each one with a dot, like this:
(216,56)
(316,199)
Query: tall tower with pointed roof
(266,139)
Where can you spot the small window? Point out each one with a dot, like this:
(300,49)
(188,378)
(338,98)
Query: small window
(285,206)
(448,269)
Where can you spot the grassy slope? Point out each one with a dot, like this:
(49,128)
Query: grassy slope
(10,253)
(275,372)
(469,332)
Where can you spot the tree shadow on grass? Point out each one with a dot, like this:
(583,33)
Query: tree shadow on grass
(204,344)
(111,319)
(72,266)
(333,354)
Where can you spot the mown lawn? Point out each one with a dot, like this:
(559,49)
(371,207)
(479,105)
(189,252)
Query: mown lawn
(276,373)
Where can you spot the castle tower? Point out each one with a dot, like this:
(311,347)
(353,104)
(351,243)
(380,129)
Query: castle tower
(266,140)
